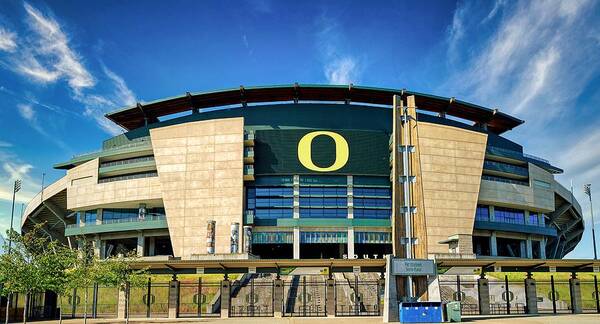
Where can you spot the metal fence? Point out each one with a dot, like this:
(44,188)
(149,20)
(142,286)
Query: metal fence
(464,290)
(251,299)
(357,298)
(199,299)
(305,297)
(149,301)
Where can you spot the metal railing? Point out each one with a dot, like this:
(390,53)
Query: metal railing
(148,218)
(145,142)
(127,161)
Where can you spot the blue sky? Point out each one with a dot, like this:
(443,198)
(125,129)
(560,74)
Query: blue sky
(63,64)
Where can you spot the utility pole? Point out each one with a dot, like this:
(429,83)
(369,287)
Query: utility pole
(16,189)
(588,191)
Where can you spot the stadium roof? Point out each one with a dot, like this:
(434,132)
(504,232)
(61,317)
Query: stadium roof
(137,116)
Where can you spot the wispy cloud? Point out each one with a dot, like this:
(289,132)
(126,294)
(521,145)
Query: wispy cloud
(340,66)
(26,112)
(46,56)
(7,40)
(5,144)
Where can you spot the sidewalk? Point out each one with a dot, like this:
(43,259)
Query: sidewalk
(545,319)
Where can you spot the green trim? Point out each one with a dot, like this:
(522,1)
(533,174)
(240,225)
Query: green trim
(146,149)
(116,227)
(127,168)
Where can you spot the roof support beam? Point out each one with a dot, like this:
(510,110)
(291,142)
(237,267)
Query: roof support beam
(561,210)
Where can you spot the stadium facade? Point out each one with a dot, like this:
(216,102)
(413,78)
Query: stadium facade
(310,172)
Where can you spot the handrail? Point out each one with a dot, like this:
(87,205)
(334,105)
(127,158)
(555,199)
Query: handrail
(145,142)
(148,218)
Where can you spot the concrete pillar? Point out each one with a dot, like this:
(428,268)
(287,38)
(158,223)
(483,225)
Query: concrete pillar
(278,298)
(225,293)
(330,297)
(174,299)
(491,211)
(152,246)
(483,291)
(575,290)
(529,247)
(296,243)
(493,245)
(526,216)
(390,297)
(99,216)
(296,206)
(121,303)
(140,244)
(351,243)
(530,295)
(433,289)
(97,244)
(543,248)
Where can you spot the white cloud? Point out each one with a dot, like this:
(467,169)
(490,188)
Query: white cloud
(5,144)
(7,40)
(341,71)
(51,53)
(340,66)
(26,112)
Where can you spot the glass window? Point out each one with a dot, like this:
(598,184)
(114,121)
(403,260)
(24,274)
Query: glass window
(372,202)
(372,213)
(323,191)
(323,213)
(119,214)
(372,192)
(482,213)
(90,216)
(509,215)
(323,202)
(273,213)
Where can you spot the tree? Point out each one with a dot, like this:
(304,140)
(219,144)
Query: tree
(34,264)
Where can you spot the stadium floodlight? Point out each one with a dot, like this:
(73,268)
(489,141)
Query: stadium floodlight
(587,189)
(16,188)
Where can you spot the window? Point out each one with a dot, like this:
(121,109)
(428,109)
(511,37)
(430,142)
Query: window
(533,219)
(323,191)
(274,202)
(323,202)
(372,192)
(508,215)
(372,213)
(372,202)
(120,214)
(89,216)
(323,213)
(482,213)
(542,184)
(274,191)
(273,213)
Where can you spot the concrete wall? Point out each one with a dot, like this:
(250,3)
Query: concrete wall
(200,167)
(532,197)
(451,167)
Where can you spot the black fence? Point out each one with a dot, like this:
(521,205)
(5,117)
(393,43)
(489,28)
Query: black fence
(149,301)
(199,299)
(252,299)
(305,297)
(358,298)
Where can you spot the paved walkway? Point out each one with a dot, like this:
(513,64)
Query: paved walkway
(558,319)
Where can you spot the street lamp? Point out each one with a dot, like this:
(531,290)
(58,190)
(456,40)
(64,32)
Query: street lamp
(16,189)
(588,191)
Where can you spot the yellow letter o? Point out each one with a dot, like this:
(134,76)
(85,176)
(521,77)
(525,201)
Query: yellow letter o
(305,151)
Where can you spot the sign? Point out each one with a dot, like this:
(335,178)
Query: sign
(251,270)
(551,269)
(413,267)
(596,269)
(200,270)
(356,270)
(326,151)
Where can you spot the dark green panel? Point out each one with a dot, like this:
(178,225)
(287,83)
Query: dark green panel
(276,152)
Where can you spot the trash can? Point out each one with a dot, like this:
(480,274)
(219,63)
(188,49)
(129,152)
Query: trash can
(421,312)
(453,311)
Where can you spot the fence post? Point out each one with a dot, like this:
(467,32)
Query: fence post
(122,300)
(483,289)
(225,294)
(575,290)
(95,301)
(530,294)
(278,297)
(330,297)
(507,293)
(73,303)
(200,296)
(553,293)
(148,297)
(596,295)
(174,297)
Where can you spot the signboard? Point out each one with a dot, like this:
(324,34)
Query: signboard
(251,270)
(297,271)
(200,270)
(356,270)
(596,269)
(552,269)
(326,151)
(413,267)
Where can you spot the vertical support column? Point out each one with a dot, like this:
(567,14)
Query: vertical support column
(296,202)
(149,298)
(140,244)
(553,293)
(543,248)
(575,290)
(390,297)
(122,302)
(225,294)
(278,297)
(507,292)
(483,291)
(330,296)
(95,301)
(530,295)
(97,245)
(296,243)
(174,297)
(493,244)
(152,246)
(529,247)
(492,213)
(351,243)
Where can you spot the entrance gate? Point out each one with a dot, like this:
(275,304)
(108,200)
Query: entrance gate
(253,299)
(199,299)
(305,297)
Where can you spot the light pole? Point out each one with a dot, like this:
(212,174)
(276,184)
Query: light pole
(16,189)
(588,191)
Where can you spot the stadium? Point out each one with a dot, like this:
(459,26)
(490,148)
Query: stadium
(303,172)
(288,184)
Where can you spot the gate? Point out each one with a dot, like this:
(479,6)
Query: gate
(358,298)
(589,296)
(149,301)
(304,297)
(464,291)
(106,301)
(251,299)
(200,299)
(506,297)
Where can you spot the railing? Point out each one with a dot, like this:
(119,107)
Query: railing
(533,157)
(145,142)
(148,218)
(505,167)
(127,161)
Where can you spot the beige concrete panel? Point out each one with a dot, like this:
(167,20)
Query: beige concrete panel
(209,186)
(451,167)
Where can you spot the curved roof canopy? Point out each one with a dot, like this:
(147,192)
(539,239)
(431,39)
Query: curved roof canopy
(137,116)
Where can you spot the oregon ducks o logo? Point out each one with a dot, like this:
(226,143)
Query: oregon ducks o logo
(305,154)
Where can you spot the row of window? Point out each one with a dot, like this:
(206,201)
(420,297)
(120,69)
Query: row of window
(372,202)
(318,202)
(372,192)
(508,215)
(129,176)
(323,202)
(112,215)
(318,191)
(276,213)
(127,161)
(321,237)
